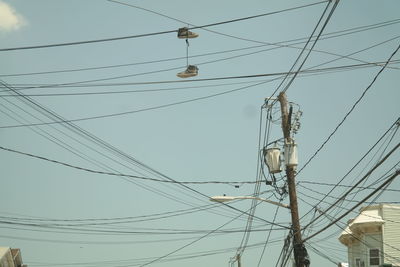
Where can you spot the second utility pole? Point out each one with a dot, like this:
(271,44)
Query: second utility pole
(300,253)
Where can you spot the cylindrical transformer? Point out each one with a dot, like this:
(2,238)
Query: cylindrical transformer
(272,157)
(291,159)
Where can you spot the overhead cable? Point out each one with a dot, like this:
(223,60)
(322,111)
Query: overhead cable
(136,111)
(347,56)
(127,175)
(358,162)
(343,228)
(307,72)
(310,71)
(324,36)
(131,230)
(357,183)
(142,35)
(349,112)
(193,242)
(219,23)
(268,237)
(347,186)
(129,262)
(388,181)
(254,203)
(336,198)
(54,116)
(246,39)
(308,50)
(317,251)
(150,72)
(82,155)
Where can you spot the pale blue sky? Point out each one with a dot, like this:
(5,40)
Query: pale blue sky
(214,139)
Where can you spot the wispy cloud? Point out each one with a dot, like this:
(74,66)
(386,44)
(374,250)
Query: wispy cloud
(10,20)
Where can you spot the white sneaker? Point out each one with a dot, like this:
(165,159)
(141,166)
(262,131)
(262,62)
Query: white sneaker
(184,33)
(190,71)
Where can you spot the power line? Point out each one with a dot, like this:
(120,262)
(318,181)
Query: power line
(325,36)
(135,111)
(82,83)
(322,254)
(362,179)
(349,112)
(136,231)
(347,186)
(195,241)
(150,72)
(219,23)
(157,173)
(387,182)
(311,70)
(51,137)
(388,140)
(360,188)
(72,228)
(134,261)
(332,219)
(129,219)
(114,220)
(380,188)
(71,149)
(139,110)
(269,235)
(312,47)
(246,39)
(348,56)
(246,236)
(153,179)
(141,35)
(305,48)
(64,145)
(30,86)
(303,72)
(127,175)
(332,197)
(52,115)
(358,162)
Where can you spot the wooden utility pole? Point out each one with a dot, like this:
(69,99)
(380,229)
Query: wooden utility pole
(300,253)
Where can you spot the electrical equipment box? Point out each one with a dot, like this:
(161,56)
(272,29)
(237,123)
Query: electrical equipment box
(272,157)
(291,159)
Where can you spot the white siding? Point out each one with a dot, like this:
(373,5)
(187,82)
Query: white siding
(356,253)
(373,241)
(391,234)
(378,227)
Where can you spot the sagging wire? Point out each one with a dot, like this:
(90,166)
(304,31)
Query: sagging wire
(269,235)
(286,251)
(262,142)
(256,192)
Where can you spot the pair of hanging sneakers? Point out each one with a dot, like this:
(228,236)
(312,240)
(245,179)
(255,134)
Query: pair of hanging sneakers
(191,70)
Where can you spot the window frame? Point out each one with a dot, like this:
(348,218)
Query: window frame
(374,257)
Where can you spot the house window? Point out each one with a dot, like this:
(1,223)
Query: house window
(359,263)
(374,257)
